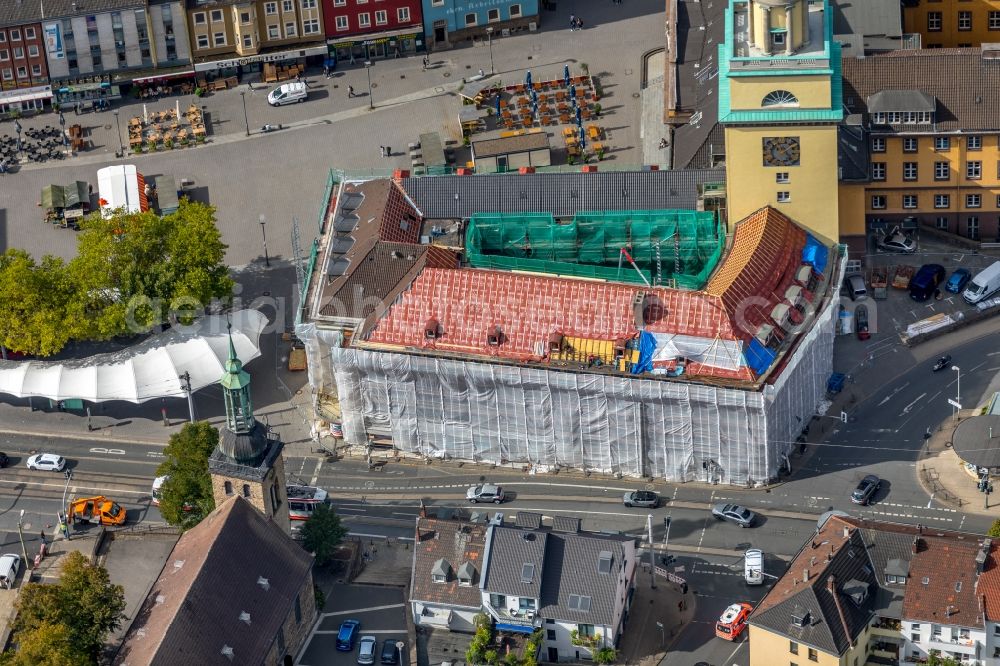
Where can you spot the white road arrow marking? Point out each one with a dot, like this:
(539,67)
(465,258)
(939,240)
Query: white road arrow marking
(906,410)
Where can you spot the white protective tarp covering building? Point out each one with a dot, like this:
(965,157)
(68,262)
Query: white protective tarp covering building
(473,410)
(151,369)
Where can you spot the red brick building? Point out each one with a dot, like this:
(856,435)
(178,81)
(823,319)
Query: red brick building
(359,30)
(24,74)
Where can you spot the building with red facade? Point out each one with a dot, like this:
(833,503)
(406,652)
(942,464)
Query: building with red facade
(359,30)
(24,74)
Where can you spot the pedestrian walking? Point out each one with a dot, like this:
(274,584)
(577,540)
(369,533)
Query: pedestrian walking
(663,144)
(388,151)
(426,62)
(579,24)
(350,91)
(381,150)
(572,22)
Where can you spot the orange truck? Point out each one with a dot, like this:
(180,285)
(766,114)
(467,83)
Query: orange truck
(98,509)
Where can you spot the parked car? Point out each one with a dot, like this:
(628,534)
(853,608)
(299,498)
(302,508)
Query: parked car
(345,637)
(866,489)
(861,322)
(485,493)
(10,565)
(390,653)
(923,285)
(958,280)
(47,461)
(366,650)
(855,286)
(898,242)
(734,513)
(644,498)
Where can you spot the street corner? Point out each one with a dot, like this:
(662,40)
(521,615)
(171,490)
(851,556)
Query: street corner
(657,617)
(381,612)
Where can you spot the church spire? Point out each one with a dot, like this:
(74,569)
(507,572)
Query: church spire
(236,391)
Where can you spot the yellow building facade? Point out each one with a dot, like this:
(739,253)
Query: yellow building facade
(953,23)
(779,102)
(769,647)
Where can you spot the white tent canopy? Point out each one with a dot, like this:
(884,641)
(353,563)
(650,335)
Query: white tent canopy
(151,369)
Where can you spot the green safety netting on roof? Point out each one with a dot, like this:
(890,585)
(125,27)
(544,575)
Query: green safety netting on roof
(670,247)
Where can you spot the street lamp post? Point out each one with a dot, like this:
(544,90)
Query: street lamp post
(20,534)
(489,36)
(368,70)
(267,259)
(121,145)
(62,126)
(246,120)
(17,128)
(663,638)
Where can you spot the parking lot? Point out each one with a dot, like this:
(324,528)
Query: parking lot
(381,611)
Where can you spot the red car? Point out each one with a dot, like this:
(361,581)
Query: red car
(733,621)
(861,322)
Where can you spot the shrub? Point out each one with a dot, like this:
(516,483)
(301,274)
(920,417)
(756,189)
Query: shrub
(606,655)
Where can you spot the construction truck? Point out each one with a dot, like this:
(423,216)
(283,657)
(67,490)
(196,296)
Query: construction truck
(98,509)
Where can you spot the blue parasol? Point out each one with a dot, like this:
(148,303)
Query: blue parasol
(583,141)
(583,134)
(498,105)
(534,96)
(572,91)
(566,74)
(579,117)
(527,78)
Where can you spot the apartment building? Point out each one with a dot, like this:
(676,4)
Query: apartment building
(866,592)
(449,22)
(230,37)
(953,23)
(24,73)
(933,148)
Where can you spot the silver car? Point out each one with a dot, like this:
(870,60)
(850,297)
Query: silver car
(485,493)
(644,498)
(734,513)
(366,650)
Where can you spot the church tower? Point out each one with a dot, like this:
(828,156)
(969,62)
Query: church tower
(780,103)
(248,459)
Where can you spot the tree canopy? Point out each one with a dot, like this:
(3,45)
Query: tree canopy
(131,271)
(322,533)
(67,623)
(186,495)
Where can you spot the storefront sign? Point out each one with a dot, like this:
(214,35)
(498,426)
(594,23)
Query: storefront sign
(53,40)
(84,87)
(380,38)
(473,5)
(262,57)
(25,94)
(164,77)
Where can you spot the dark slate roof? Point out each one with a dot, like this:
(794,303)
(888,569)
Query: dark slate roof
(571,568)
(212,575)
(701,27)
(965,82)
(885,548)
(510,550)
(835,619)
(460,543)
(900,100)
(562,194)
(852,153)
(13,12)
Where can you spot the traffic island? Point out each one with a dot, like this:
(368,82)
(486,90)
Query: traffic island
(948,463)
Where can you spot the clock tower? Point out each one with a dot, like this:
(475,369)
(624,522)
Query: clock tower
(780,105)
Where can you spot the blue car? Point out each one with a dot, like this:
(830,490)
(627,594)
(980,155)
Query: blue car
(345,637)
(957,280)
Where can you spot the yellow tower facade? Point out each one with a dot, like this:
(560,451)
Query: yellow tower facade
(780,104)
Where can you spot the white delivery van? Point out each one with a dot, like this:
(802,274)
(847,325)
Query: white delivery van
(983,285)
(753,567)
(288,93)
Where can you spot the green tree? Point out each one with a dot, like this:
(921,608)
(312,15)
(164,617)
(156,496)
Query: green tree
(84,605)
(322,533)
(45,645)
(994,529)
(606,655)
(33,303)
(186,495)
(934,658)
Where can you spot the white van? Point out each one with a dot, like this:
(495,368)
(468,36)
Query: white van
(10,565)
(983,285)
(753,567)
(288,93)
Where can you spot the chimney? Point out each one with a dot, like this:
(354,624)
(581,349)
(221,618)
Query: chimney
(916,545)
(805,575)
(812,561)
(847,532)
(831,587)
(423,509)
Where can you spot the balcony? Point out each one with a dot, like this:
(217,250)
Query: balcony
(962,645)
(526,620)
(886,627)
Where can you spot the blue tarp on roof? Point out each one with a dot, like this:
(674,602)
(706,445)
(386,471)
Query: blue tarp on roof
(759,358)
(815,254)
(647,347)
(516,628)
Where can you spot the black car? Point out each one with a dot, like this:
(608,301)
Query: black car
(866,490)
(390,653)
(923,285)
(3,459)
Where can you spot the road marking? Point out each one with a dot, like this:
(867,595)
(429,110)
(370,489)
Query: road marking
(153,454)
(364,610)
(739,647)
(347,508)
(365,535)
(408,515)
(315,476)
(113,452)
(906,410)
(59,487)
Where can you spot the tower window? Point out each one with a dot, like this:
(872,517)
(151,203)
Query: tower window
(779,98)
(778,38)
(229,487)
(274,498)
(246,490)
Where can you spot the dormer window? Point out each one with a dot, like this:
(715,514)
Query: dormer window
(467,574)
(441,571)
(779,98)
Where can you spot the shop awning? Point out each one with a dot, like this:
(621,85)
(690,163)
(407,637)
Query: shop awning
(16,97)
(163,77)
(149,370)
